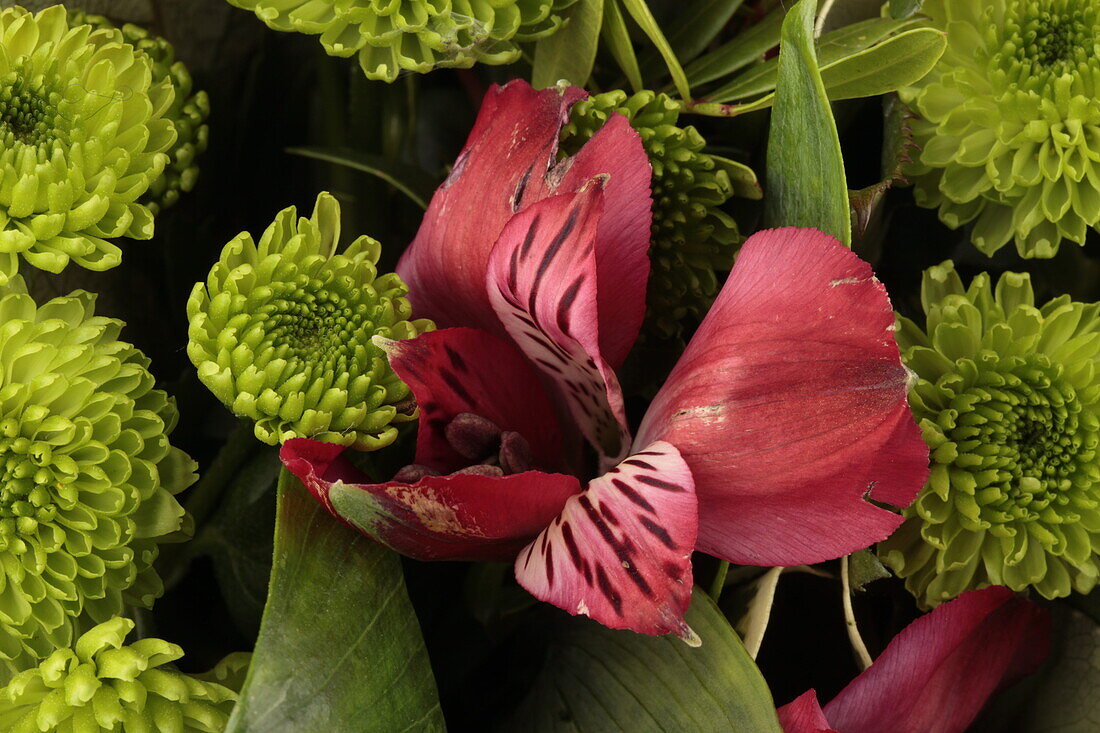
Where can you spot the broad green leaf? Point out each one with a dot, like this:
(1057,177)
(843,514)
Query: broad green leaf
(639,11)
(340,646)
(409,180)
(693,27)
(805,184)
(617,38)
(747,47)
(861,60)
(905,8)
(597,680)
(570,53)
(864,568)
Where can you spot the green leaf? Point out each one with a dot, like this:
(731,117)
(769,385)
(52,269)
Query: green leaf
(864,568)
(639,11)
(905,8)
(597,679)
(747,47)
(693,27)
(570,53)
(340,646)
(861,60)
(617,38)
(408,179)
(805,184)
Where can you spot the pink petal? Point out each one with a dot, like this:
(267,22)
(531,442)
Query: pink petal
(790,406)
(514,140)
(456,517)
(938,674)
(542,284)
(620,552)
(804,715)
(458,370)
(623,235)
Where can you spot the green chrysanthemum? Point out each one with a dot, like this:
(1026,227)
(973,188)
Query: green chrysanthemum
(1008,399)
(693,239)
(82,138)
(281,333)
(1010,122)
(87,476)
(390,36)
(188,111)
(103,684)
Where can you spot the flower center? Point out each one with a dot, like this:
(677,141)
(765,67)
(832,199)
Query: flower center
(28,481)
(1057,35)
(1029,443)
(315,326)
(28,112)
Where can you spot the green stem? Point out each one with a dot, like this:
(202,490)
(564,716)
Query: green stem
(854,638)
(719,580)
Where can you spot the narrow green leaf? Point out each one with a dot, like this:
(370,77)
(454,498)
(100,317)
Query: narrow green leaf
(747,47)
(617,38)
(596,680)
(639,11)
(891,65)
(409,180)
(692,28)
(905,8)
(340,646)
(805,185)
(570,53)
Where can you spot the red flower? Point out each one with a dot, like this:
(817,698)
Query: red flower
(937,674)
(785,414)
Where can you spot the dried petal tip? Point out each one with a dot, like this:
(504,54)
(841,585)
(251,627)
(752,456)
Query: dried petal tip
(284,331)
(102,684)
(87,475)
(1008,399)
(1006,122)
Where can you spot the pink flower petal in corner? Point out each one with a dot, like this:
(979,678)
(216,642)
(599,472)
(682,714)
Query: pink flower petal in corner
(938,674)
(513,141)
(620,552)
(542,283)
(461,370)
(804,715)
(455,517)
(790,407)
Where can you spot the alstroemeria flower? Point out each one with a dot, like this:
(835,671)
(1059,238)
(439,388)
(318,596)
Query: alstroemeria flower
(938,673)
(785,414)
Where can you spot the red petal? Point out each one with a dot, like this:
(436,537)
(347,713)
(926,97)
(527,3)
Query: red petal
(938,674)
(623,235)
(620,552)
(804,715)
(456,517)
(458,370)
(513,141)
(542,284)
(790,406)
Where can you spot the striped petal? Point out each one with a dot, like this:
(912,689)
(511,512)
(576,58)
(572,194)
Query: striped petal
(790,405)
(461,370)
(542,284)
(455,517)
(620,552)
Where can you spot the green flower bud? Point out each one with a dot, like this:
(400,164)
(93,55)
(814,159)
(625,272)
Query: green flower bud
(102,684)
(1007,122)
(281,333)
(82,138)
(188,111)
(415,35)
(87,476)
(1008,399)
(693,239)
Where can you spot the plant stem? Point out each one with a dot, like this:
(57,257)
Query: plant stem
(760,611)
(719,580)
(854,638)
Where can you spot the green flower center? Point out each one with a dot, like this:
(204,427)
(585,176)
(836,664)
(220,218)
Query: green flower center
(1024,442)
(27,482)
(1055,35)
(312,325)
(28,111)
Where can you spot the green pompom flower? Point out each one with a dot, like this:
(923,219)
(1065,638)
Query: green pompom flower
(1010,122)
(1008,399)
(103,684)
(87,476)
(390,36)
(281,333)
(693,239)
(82,138)
(188,111)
